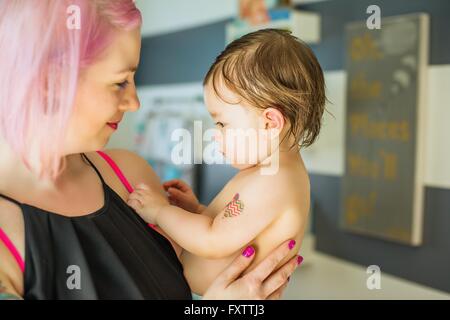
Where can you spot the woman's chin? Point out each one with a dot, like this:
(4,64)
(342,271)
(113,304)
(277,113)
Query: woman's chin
(103,144)
(102,141)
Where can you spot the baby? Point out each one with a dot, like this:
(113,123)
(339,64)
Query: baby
(270,83)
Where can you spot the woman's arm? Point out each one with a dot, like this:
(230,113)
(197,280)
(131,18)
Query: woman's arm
(11,276)
(263,282)
(7,291)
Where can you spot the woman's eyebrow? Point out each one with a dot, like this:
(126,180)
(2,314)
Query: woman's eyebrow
(129,69)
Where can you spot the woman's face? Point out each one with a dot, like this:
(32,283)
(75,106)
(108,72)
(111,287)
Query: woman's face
(106,90)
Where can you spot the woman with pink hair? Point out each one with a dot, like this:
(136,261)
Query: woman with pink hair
(66,232)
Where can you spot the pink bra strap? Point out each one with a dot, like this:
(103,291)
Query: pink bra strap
(120,175)
(12,249)
(117,170)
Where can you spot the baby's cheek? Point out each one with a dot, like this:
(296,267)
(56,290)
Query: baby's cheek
(218,136)
(219,140)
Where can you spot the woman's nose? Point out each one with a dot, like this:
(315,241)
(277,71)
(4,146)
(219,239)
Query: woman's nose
(130,103)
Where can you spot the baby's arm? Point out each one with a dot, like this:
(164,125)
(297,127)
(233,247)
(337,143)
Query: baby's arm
(247,214)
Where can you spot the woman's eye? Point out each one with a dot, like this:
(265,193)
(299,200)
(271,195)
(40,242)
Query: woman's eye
(220,124)
(122,85)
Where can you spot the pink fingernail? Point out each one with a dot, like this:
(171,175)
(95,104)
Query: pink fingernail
(291,244)
(299,260)
(248,252)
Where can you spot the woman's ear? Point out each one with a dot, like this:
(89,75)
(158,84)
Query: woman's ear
(273,119)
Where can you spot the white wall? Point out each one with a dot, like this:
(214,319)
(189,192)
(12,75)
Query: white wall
(165,16)
(323,276)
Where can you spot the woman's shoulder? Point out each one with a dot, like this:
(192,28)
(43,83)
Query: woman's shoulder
(12,223)
(135,168)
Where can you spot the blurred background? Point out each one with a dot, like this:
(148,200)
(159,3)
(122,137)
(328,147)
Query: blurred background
(380,173)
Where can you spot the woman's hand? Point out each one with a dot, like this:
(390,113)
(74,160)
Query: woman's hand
(181,195)
(263,282)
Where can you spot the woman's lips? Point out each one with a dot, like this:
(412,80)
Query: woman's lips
(114,126)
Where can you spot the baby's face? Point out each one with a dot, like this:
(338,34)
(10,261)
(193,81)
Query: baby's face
(241,135)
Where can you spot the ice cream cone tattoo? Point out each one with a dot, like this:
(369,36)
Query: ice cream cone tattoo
(234,207)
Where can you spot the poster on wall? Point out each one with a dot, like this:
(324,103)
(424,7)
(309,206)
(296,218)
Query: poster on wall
(257,12)
(382,188)
(167,114)
(254,15)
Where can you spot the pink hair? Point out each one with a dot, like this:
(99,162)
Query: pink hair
(41,58)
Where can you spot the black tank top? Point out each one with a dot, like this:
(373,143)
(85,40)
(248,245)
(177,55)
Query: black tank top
(109,254)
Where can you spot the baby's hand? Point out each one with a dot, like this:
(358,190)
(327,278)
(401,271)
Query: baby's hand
(147,202)
(181,195)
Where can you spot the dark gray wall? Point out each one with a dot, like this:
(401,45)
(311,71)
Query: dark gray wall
(335,14)
(185,56)
(428,264)
(179,57)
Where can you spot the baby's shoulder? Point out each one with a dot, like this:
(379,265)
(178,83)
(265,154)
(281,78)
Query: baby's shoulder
(269,192)
(266,190)
(280,183)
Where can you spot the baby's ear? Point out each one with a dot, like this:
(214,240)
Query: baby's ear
(273,119)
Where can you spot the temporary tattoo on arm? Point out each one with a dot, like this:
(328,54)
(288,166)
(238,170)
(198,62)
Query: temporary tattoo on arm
(234,208)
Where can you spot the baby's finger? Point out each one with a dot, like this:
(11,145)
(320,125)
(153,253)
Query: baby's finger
(176,194)
(178,184)
(176,202)
(135,204)
(170,183)
(142,186)
(140,193)
(175,183)
(136,196)
(173,202)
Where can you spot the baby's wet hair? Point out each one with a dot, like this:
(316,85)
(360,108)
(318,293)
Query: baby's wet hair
(272,68)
